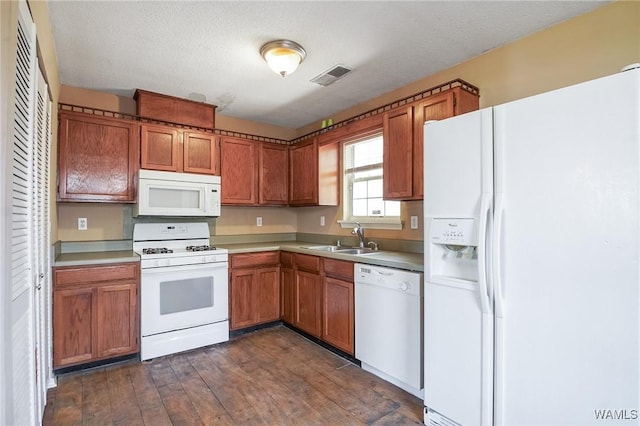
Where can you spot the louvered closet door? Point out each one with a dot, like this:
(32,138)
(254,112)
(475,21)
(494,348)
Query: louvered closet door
(40,242)
(22,340)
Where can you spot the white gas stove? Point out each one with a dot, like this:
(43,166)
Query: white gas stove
(184,288)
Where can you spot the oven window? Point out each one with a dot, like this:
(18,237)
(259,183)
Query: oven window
(174,198)
(186,295)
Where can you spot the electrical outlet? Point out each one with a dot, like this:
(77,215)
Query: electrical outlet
(322,223)
(259,221)
(82,224)
(414,222)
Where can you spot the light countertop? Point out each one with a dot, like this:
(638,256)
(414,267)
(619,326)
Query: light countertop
(95,258)
(391,259)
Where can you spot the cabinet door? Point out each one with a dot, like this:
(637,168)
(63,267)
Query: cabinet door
(273,174)
(398,151)
(73,326)
(303,174)
(201,153)
(238,171)
(117,320)
(308,307)
(242,298)
(437,107)
(338,318)
(160,148)
(268,294)
(287,278)
(97,158)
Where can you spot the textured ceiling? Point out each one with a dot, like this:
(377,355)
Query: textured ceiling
(211,48)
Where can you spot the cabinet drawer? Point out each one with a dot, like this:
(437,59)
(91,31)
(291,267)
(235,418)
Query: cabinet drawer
(286,259)
(339,269)
(254,259)
(76,275)
(307,263)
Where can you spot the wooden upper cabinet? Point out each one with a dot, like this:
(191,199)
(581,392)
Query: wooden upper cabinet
(160,148)
(176,150)
(273,174)
(314,174)
(303,174)
(397,163)
(253,173)
(201,153)
(238,171)
(98,158)
(403,139)
(175,110)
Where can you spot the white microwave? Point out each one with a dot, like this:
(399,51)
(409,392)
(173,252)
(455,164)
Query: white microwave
(177,194)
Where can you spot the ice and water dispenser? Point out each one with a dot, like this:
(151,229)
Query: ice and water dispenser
(453,249)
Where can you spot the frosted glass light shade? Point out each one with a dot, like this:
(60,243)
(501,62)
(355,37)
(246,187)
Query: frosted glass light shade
(283,56)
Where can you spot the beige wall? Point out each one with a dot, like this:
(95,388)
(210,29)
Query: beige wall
(589,46)
(242,220)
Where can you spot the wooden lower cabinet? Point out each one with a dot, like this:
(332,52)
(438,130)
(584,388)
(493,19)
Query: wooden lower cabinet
(317,296)
(308,303)
(338,326)
(337,312)
(254,289)
(287,279)
(95,313)
(114,319)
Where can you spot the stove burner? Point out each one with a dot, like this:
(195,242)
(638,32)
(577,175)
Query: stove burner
(200,248)
(156,250)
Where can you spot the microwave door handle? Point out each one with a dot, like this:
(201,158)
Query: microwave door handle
(207,198)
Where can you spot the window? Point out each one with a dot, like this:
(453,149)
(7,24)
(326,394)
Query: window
(363,182)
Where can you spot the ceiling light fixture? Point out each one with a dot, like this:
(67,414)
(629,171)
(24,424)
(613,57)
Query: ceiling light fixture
(283,56)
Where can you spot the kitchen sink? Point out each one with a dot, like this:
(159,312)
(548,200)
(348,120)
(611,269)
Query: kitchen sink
(325,248)
(342,249)
(356,250)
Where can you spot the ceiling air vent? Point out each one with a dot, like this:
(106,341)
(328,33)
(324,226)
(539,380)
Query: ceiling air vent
(331,76)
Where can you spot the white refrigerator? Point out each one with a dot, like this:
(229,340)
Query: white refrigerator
(532,260)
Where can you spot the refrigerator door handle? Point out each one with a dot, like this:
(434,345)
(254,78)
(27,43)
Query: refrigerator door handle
(496,256)
(485,210)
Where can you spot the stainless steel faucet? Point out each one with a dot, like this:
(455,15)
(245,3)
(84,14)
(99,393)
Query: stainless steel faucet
(360,233)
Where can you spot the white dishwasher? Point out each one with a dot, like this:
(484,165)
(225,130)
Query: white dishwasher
(388,311)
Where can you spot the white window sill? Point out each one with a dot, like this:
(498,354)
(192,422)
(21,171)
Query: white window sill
(372,224)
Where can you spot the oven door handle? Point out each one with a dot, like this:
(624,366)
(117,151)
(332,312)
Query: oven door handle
(177,268)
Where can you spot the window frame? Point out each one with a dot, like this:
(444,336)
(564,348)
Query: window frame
(348,219)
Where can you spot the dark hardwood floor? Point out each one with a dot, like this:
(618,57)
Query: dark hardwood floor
(269,377)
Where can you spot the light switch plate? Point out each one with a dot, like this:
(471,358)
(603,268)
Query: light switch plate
(82,224)
(414,222)
(322,222)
